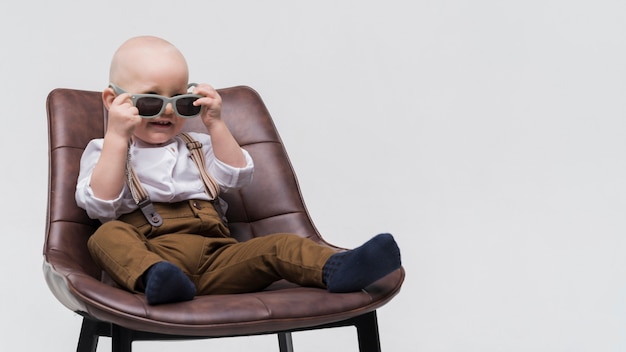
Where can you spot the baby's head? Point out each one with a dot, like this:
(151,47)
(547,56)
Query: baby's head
(143,64)
(150,65)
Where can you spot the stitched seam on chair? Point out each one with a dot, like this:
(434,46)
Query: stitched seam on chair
(70,222)
(267,309)
(260,142)
(281,214)
(66,146)
(273,216)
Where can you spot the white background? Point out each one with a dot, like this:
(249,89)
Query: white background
(486,135)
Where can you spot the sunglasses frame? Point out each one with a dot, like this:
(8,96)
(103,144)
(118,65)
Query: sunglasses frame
(166,100)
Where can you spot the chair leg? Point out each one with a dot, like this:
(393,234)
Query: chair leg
(285,342)
(367,331)
(88,339)
(121,339)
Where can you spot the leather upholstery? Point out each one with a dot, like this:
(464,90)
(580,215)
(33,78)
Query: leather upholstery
(272,203)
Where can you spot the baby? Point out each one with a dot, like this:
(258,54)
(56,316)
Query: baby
(173,244)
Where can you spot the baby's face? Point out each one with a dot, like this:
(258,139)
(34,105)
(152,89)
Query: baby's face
(166,78)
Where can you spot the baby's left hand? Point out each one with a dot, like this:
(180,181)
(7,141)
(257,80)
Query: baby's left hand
(211,103)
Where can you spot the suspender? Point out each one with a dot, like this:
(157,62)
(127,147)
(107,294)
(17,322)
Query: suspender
(141,198)
(210,186)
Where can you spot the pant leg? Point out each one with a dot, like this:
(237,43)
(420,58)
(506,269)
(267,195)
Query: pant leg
(123,252)
(254,264)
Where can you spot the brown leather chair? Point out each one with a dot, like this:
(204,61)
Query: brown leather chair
(272,203)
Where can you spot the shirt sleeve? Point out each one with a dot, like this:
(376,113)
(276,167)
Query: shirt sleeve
(103,210)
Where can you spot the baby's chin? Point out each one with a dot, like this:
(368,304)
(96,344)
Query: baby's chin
(157,135)
(154,139)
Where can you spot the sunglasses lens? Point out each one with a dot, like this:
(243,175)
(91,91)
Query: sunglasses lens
(185,106)
(149,106)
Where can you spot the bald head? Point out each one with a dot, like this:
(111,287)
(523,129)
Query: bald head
(140,58)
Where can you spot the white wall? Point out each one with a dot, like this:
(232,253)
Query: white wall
(487,135)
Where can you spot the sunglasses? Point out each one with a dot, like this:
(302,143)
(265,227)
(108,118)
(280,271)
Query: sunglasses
(152,105)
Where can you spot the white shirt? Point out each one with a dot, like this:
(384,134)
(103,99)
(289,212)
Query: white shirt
(166,172)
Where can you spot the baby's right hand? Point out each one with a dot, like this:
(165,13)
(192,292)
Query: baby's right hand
(123,116)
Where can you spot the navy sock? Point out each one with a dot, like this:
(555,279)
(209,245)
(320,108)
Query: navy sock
(166,283)
(355,269)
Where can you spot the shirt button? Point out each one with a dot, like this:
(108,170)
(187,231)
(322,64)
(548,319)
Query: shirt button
(196,205)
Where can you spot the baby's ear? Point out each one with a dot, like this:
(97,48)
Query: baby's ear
(108,95)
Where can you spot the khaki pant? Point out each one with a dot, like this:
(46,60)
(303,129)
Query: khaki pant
(193,238)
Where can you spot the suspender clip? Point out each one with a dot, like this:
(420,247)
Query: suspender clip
(153,217)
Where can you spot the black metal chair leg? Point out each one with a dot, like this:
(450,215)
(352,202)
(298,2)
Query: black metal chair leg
(88,339)
(121,339)
(367,331)
(285,342)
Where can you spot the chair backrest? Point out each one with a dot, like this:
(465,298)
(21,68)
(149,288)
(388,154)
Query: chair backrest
(271,204)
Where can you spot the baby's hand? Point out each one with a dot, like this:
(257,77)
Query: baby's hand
(123,116)
(211,104)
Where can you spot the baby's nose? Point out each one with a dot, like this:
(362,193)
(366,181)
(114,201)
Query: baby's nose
(168,109)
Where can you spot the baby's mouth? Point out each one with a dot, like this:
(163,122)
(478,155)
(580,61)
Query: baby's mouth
(161,123)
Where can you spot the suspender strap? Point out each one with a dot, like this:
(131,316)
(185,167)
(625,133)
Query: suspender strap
(141,198)
(210,186)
